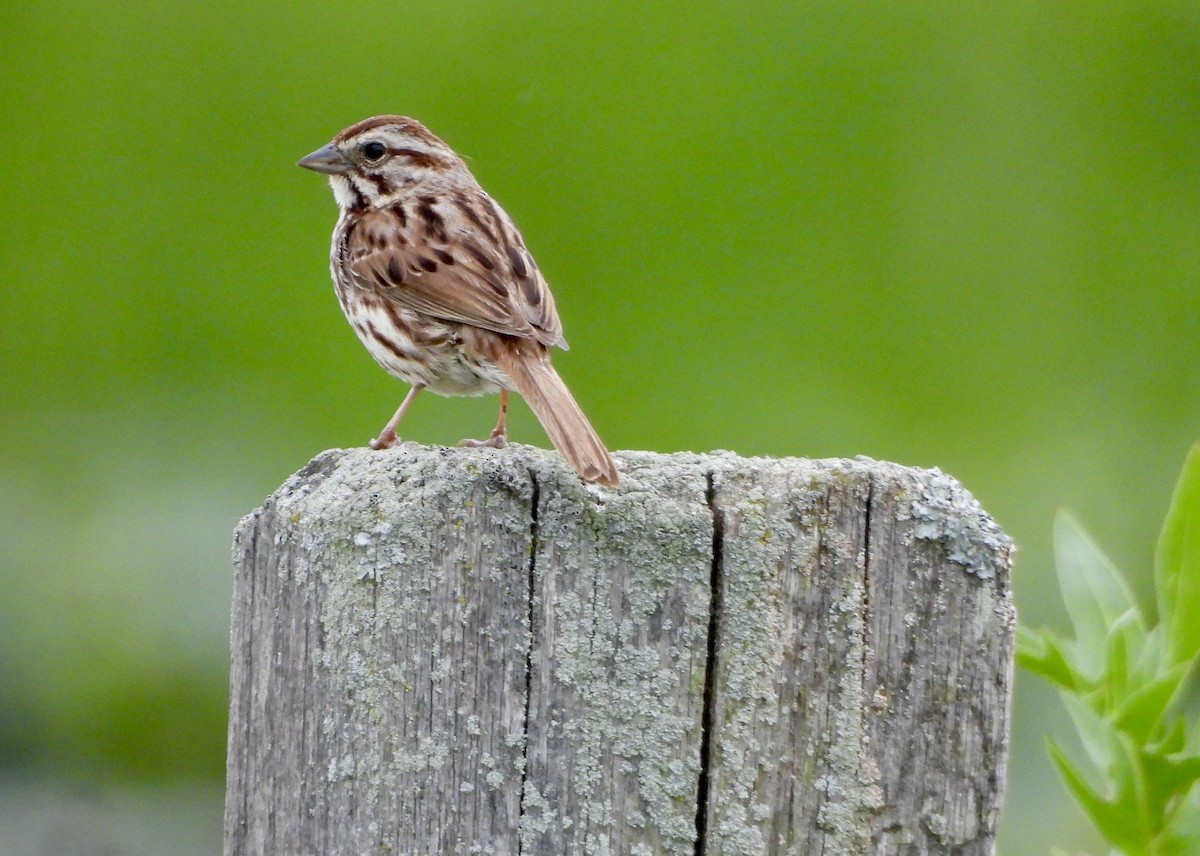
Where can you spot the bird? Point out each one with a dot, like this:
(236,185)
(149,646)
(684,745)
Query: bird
(439,286)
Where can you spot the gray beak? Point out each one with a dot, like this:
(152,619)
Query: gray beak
(327,160)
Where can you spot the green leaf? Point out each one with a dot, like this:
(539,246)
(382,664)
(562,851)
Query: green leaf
(1175,740)
(1094,591)
(1042,654)
(1117,821)
(1182,838)
(1150,662)
(1177,565)
(1029,643)
(1142,711)
(1119,679)
(1134,791)
(1096,734)
(1124,644)
(1168,782)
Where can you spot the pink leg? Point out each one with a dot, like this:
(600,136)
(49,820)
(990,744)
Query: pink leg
(499,436)
(387,437)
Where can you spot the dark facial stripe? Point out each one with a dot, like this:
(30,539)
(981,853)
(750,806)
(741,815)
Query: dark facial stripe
(424,159)
(358,202)
(379,182)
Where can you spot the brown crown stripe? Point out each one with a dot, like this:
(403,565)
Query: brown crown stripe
(403,124)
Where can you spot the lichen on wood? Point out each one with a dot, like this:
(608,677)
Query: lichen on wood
(470,651)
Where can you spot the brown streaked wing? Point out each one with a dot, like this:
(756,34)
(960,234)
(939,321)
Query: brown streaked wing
(532,294)
(416,276)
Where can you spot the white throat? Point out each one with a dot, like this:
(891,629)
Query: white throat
(343,191)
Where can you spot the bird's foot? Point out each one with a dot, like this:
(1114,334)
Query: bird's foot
(385,440)
(498,440)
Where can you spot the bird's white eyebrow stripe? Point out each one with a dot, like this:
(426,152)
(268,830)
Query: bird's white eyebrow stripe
(404,145)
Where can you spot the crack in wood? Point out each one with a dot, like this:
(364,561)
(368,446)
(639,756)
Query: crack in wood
(532,576)
(710,666)
(866,584)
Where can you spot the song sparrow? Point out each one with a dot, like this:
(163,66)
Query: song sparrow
(438,284)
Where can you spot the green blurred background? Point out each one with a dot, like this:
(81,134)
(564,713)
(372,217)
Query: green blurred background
(945,234)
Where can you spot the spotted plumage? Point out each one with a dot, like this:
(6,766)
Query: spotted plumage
(437,283)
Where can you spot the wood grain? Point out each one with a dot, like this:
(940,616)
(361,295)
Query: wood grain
(470,651)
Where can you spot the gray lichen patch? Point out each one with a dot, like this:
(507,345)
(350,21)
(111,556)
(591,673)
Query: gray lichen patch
(945,512)
(789,660)
(416,565)
(620,644)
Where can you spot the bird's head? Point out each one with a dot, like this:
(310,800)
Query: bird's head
(372,161)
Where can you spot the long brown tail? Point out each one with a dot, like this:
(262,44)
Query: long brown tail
(529,368)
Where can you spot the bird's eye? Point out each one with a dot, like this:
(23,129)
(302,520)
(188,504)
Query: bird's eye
(374,150)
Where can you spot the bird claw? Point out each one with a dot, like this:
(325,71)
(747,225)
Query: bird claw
(496,441)
(384,441)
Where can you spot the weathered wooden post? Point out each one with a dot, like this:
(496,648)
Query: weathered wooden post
(443,651)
